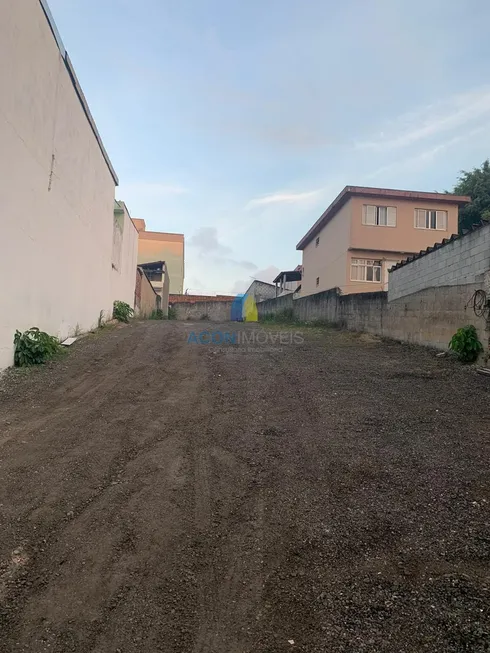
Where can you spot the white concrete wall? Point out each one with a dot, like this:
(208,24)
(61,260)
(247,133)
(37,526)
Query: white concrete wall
(55,238)
(462,261)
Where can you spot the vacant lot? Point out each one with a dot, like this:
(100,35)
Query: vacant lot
(157,495)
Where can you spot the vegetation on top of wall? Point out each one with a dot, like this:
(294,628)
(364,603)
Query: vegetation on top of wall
(34,347)
(465,344)
(122,311)
(172,313)
(476,184)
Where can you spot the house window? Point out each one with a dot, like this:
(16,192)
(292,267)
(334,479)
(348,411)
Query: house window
(429,219)
(318,281)
(363,269)
(317,241)
(379,216)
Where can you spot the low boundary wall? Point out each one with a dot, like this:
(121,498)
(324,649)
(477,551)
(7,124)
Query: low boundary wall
(428,317)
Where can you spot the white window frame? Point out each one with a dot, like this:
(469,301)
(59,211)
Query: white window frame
(364,264)
(423,219)
(378,215)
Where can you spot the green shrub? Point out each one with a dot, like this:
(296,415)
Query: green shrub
(34,347)
(172,313)
(204,316)
(156,314)
(465,344)
(122,311)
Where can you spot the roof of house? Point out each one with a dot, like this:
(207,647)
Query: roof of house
(76,86)
(379,193)
(289,275)
(443,243)
(154,265)
(160,235)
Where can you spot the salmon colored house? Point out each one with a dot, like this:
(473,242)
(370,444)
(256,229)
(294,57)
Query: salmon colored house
(365,231)
(159,246)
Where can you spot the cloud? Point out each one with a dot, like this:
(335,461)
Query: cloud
(267,275)
(283,198)
(207,244)
(155,189)
(432,120)
(205,240)
(419,161)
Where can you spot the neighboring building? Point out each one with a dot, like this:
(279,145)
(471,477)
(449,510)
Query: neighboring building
(146,300)
(160,246)
(260,291)
(288,281)
(61,262)
(156,273)
(365,231)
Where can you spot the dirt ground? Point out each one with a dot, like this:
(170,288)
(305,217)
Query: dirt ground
(326,496)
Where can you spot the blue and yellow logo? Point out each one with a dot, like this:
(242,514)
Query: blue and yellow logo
(244,309)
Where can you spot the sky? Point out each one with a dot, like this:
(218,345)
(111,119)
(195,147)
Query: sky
(237,122)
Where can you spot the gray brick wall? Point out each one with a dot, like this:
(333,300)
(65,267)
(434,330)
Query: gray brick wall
(461,262)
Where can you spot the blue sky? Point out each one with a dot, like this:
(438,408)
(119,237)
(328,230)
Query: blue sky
(237,122)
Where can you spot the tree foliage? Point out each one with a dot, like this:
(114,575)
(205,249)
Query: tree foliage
(476,184)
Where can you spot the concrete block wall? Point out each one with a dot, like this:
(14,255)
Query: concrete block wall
(427,317)
(215,311)
(462,261)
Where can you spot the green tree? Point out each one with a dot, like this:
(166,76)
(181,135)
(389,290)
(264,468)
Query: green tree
(476,184)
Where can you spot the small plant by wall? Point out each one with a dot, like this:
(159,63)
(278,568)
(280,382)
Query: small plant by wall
(122,311)
(156,314)
(34,347)
(465,344)
(286,316)
(172,313)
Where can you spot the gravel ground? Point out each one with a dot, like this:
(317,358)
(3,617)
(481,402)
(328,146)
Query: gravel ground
(326,496)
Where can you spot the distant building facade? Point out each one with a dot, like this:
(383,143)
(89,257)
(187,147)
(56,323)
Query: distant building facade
(366,231)
(161,246)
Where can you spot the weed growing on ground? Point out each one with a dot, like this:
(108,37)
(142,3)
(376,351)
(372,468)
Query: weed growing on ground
(156,314)
(172,313)
(122,311)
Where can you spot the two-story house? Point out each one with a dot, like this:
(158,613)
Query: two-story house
(365,231)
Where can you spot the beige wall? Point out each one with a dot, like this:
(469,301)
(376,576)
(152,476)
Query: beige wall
(146,303)
(328,260)
(155,246)
(404,237)
(122,277)
(345,237)
(56,214)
